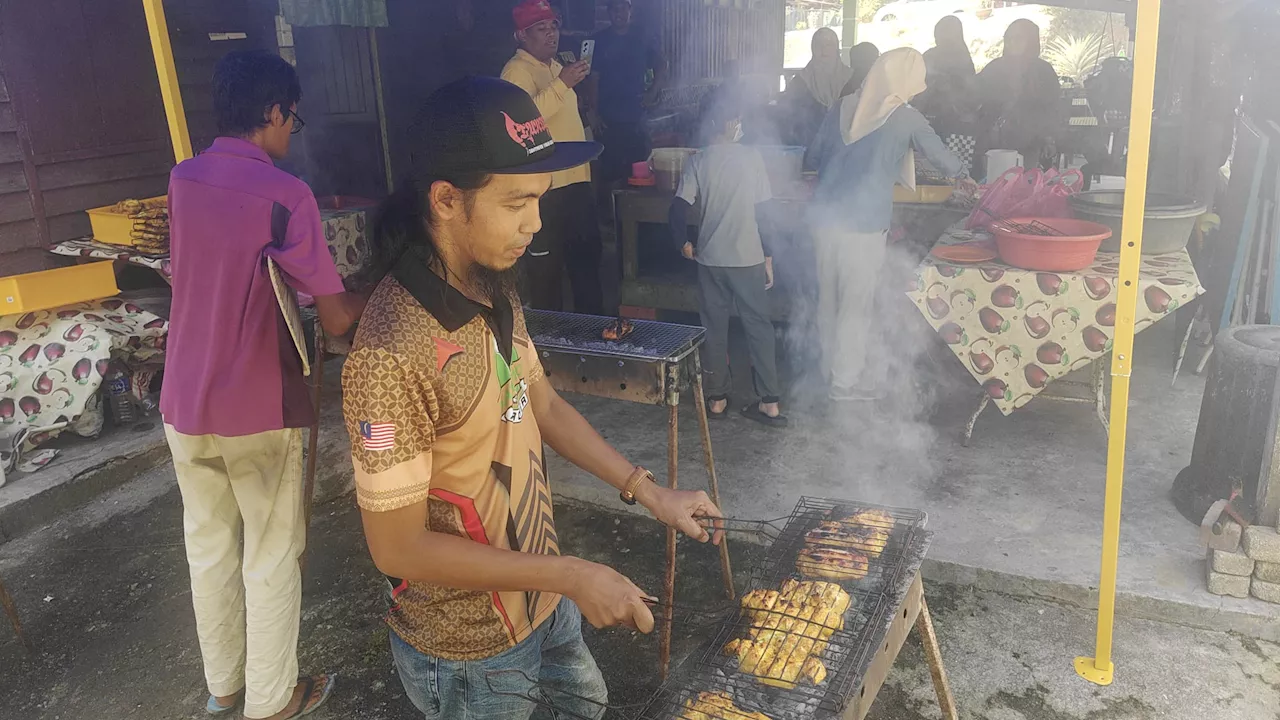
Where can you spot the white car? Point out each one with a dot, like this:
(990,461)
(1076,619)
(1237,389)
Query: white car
(923,12)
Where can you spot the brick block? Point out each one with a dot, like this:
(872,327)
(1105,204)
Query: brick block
(1229,563)
(1228,540)
(1233,585)
(1262,544)
(1266,591)
(1267,572)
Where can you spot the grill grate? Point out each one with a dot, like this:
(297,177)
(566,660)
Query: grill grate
(874,601)
(650,341)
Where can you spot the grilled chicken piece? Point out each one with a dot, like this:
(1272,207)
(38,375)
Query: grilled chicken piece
(789,629)
(716,706)
(832,563)
(619,329)
(866,532)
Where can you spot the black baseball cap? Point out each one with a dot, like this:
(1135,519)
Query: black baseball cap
(487,125)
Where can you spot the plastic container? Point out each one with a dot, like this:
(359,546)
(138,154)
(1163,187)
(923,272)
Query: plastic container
(116,228)
(1074,250)
(1167,225)
(55,288)
(668,164)
(923,194)
(119,399)
(1001,161)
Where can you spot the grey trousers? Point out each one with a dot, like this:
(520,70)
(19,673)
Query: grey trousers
(720,289)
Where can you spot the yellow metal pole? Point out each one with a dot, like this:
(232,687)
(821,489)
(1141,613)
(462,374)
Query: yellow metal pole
(168,72)
(1099,669)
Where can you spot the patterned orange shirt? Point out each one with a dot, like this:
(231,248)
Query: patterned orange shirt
(435,395)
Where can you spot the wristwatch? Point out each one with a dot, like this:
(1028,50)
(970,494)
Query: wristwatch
(638,475)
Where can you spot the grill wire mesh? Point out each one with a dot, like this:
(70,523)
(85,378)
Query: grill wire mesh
(650,341)
(852,642)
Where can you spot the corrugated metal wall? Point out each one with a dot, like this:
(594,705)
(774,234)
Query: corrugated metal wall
(699,37)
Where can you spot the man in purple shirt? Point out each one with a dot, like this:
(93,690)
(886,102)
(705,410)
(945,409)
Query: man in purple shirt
(234,398)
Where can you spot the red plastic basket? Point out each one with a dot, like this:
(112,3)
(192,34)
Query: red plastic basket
(1074,249)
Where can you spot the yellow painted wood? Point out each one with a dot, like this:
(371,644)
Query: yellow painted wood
(168,72)
(1099,669)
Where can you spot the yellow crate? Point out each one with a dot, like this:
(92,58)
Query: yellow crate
(116,228)
(930,194)
(55,288)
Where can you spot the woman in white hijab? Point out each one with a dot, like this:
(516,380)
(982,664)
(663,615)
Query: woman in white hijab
(817,87)
(863,148)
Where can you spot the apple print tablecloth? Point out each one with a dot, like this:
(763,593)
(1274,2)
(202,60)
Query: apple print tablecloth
(1018,330)
(53,361)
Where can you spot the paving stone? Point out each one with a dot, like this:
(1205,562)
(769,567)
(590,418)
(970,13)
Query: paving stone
(1233,585)
(1267,572)
(1262,544)
(1264,590)
(1230,563)
(1229,539)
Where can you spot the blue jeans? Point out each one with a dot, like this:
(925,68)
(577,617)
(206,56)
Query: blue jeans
(554,657)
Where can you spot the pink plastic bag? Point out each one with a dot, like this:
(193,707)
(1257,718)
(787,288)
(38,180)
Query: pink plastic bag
(1027,193)
(1003,196)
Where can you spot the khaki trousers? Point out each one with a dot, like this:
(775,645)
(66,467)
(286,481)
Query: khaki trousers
(849,265)
(242,521)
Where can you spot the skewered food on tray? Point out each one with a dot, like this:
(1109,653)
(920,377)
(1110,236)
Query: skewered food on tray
(618,329)
(716,706)
(789,630)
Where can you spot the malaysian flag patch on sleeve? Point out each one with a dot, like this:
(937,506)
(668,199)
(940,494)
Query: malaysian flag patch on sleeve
(377,436)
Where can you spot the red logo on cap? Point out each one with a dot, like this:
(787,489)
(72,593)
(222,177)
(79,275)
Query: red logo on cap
(525,133)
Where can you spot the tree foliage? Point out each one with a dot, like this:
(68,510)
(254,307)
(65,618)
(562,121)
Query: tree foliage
(1075,57)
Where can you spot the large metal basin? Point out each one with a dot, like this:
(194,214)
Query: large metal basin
(1167,227)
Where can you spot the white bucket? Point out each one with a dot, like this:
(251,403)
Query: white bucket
(999,162)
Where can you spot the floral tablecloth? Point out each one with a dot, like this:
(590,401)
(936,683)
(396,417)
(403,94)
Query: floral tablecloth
(53,361)
(89,248)
(1018,330)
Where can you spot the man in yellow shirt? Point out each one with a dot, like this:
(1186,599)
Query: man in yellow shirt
(570,236)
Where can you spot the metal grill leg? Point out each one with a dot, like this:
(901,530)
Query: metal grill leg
(11,609)
(933,657)
(700,401)
(669,579)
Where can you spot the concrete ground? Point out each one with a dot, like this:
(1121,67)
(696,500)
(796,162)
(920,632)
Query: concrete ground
(104,597)
(1019,511)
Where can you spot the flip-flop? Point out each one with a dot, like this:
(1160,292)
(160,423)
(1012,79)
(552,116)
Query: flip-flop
(309,687)
(718,415)
(752,412)
(212,707)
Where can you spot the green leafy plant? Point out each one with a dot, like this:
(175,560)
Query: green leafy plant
(1075,57)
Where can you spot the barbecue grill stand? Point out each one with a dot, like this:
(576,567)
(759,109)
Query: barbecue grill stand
(651,365)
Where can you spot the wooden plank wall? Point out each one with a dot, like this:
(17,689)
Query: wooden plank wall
(81,120)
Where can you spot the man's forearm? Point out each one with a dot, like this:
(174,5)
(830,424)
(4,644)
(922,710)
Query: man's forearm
(451,561)
(570,435)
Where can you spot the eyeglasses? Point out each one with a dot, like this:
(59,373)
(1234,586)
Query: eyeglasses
(298,124)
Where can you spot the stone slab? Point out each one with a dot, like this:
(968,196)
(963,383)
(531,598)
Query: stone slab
(1262,543)
(1267,572)
(1266,591)
(1228,539)
(1230,563)
(1231,585)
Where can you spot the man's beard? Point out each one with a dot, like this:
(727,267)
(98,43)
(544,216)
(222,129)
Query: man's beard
(492,284)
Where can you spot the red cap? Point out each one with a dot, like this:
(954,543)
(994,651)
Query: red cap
(531,12)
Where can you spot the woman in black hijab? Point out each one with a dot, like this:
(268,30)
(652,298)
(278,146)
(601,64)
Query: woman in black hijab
(861,57)
(1021,99)
(949,102)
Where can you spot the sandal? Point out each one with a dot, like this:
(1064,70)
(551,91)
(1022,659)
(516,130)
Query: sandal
(718,415)
(212,707)
(310,702)
(752,412)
